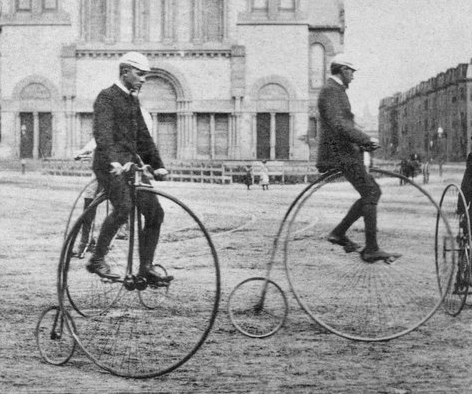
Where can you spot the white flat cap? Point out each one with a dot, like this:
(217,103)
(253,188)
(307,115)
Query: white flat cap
(137,60)
(343,60)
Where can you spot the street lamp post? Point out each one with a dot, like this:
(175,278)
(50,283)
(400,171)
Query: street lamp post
(442,136)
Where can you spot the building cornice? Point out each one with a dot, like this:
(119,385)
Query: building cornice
(81,53)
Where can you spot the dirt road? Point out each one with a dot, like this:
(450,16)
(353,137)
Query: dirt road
(301,358)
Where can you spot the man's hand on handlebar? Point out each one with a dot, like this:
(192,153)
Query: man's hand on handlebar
(159,174)
(118,169)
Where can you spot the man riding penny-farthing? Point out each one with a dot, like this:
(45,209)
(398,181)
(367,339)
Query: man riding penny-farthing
(358,292)
(122,305)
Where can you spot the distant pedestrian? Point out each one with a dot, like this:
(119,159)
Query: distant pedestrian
(248,177)
(23,166)
(264,175)
(425,171)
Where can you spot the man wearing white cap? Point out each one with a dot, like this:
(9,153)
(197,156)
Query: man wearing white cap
(341,147)
(122,137)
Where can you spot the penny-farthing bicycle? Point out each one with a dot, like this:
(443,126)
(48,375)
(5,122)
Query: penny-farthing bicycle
(455,208)
(130,327)
(338,290)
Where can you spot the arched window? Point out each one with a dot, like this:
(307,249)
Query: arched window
(98,20)
(317,66)
(213,20)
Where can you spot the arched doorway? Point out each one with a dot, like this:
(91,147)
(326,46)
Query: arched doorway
(159,97)
(273,123)
(35,121)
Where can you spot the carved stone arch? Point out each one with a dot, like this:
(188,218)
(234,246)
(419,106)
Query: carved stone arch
(273,79)
(175,78)
(35,79)
(320,38)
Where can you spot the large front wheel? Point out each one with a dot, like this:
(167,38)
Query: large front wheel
(152,330)
(344,294)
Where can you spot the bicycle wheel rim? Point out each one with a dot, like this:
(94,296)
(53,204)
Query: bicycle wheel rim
(57,350)
(332,308)
(455,295)
(257,307)
(87,293)
(132,340)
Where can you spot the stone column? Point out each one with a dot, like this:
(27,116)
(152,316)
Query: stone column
(35,135)
(291,131)
(254,135)
(212,136)
(71,121)
(272,135)
(154,133)
(235,132)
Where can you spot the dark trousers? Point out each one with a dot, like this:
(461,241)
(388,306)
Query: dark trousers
(366,206)
(466,184)
(119,194)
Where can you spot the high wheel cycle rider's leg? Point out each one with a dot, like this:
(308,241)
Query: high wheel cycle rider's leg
(365,184)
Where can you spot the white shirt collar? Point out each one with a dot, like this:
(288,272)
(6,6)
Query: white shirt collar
(336,79)
(122,87)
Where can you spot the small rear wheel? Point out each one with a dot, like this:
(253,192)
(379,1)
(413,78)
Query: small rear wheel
(55,343)
(257,307)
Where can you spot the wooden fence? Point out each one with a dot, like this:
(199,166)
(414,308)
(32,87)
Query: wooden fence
(202,172)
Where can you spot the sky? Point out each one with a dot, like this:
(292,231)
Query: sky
(399,43)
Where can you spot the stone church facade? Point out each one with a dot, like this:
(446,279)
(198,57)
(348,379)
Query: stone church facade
(230,79)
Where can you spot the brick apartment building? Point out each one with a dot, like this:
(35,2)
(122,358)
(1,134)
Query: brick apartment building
(230,80)
(432,119)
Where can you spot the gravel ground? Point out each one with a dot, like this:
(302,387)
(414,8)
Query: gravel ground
(300,358)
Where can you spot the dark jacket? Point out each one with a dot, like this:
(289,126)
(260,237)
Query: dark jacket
(340,140)
(120,131)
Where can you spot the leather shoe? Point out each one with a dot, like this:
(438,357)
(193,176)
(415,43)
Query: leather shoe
(80,252)
(379,254)
(344,241)
(99,267)
(155,278)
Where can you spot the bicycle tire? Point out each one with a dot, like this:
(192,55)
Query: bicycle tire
(88,294)
(454,207)
(131,340)
(257,307)
(77,208)
(343,294)
(55,342)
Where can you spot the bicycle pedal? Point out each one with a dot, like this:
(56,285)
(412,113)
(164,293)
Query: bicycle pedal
(156,285)
(111,281)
